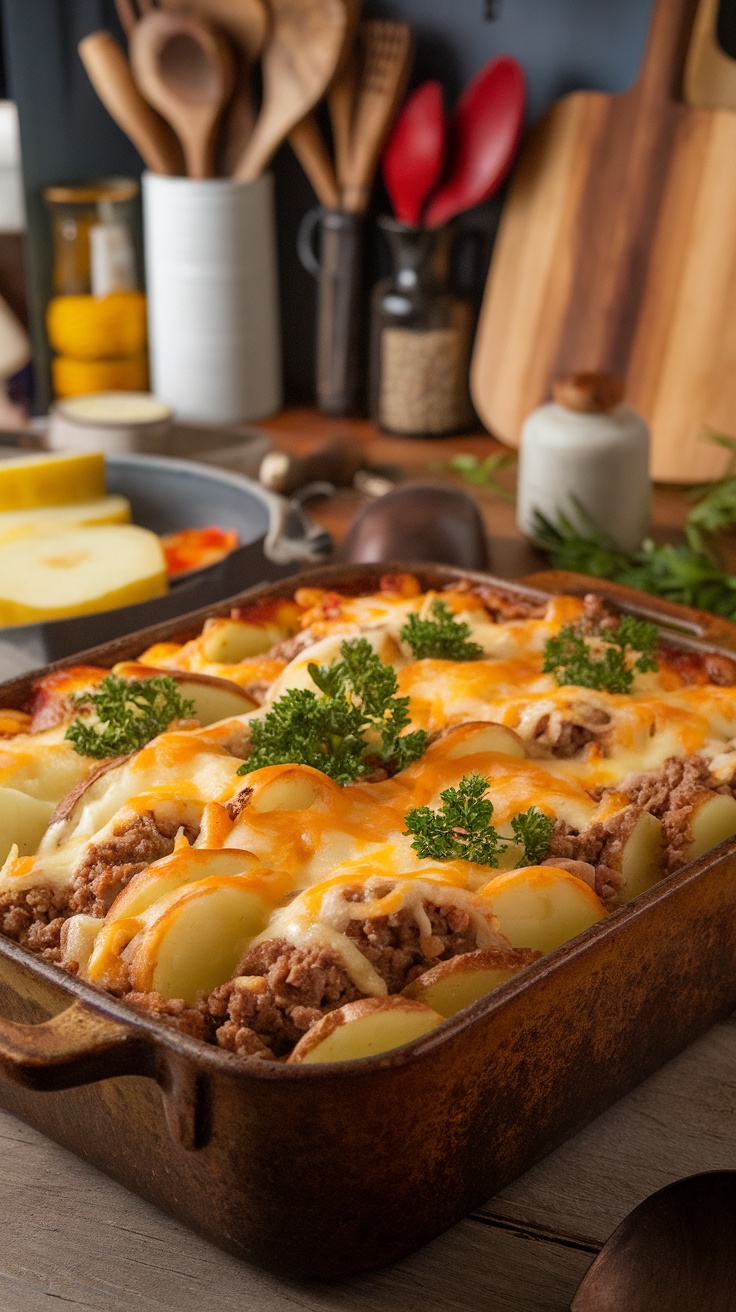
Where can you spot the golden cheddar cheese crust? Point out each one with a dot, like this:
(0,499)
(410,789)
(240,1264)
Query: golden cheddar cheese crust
(246,897)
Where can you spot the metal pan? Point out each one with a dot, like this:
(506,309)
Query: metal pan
(329,1170)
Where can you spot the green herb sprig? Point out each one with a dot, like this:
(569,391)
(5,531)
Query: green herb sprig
(689,573)
(462,829)
(356,723)
(124,714)
(572,661)
(481,473)
(441,637)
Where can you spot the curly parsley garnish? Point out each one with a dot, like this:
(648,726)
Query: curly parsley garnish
(353,726)
(572,661)
(442,637)
(462,828)
(124,714)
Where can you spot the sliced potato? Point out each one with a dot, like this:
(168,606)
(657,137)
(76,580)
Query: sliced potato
(186,865)
(51,480)
(227,642)
(23,820)
(78,571)
(712,821)
(451,985)
(214,699)
(541,907)
(641,858)
(194,940)
(477,738)
(78,937)
(365,1028)
(289,788)
(16,524)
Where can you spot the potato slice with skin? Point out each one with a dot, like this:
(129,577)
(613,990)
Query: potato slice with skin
(227,642)
(23,820)
(451,985)
(193,941)
(365,1028)
(477,738)
(712,820)
(214,699)
(541,907)
(641,858)
(290,788)
(186,865)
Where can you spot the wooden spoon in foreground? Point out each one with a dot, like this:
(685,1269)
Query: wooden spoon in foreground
(307,39)
(184,68)
(109,72)
(675,1251)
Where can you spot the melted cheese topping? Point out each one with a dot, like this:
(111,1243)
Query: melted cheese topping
(321,839)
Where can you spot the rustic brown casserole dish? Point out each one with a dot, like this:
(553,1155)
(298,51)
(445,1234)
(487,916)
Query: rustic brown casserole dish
(326,1170)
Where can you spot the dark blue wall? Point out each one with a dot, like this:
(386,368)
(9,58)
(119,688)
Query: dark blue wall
(66,134)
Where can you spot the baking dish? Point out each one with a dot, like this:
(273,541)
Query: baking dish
(329,1170)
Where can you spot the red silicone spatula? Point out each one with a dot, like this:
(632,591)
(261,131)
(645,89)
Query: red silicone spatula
(482,137)
(414,154)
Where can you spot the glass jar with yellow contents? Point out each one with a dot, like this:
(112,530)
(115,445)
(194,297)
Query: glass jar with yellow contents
(96,318)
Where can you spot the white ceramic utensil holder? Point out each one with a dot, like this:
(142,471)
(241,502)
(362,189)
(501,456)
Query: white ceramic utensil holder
(213,314)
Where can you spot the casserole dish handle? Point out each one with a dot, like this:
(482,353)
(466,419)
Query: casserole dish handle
(78,1046)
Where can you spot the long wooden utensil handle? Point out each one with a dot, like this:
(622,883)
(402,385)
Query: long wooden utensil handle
(710,74)
(663,65)
(306,141)
(109,72)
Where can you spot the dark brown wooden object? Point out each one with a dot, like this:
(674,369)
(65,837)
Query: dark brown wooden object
(674,1251)
(615,254)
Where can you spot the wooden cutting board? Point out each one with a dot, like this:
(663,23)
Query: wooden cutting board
(617,251)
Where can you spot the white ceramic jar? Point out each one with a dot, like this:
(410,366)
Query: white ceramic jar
(586,447)
(211,280)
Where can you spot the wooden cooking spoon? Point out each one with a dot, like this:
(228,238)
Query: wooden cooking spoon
(109,72)
(307,38)
(384,74)
(184,68)
(675,1251)
(246,23)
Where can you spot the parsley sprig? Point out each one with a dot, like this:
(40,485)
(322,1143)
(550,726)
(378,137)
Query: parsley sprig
(354,725)
(572,660)
(442,637)
(462,829)
(124,714)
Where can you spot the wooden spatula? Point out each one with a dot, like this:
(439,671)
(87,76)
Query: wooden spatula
(184,69)
(303,50)
(386,49)
(109,72)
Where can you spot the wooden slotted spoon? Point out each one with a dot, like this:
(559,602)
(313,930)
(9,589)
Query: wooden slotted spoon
(383,78)
(306,41)
(184,68)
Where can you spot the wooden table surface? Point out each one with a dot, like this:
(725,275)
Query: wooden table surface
(73,1238)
